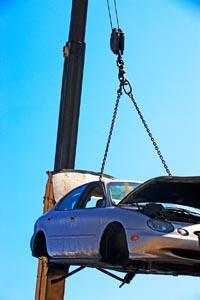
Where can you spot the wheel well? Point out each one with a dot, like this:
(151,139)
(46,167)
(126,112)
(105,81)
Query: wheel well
(40,248)
(113,245)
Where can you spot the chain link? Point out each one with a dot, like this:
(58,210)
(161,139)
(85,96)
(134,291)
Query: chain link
(119,93)
(127,88)
(150,134)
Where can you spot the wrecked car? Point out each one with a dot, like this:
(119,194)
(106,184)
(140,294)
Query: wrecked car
(147,228)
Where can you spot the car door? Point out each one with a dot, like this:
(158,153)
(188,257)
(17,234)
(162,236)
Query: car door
(88,220)
(60,224)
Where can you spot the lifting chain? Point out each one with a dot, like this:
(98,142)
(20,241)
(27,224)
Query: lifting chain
(125,86)
(119,93)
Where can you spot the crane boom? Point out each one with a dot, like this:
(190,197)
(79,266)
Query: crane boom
(74,53)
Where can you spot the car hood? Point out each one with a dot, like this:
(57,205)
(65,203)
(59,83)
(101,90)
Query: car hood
(167,189)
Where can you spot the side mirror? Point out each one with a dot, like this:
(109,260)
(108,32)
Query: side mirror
(101,203)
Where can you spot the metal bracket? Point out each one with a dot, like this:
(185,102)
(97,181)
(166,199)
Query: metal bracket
(127,278)
(68,275)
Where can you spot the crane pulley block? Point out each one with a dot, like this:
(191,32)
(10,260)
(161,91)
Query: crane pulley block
(117,41)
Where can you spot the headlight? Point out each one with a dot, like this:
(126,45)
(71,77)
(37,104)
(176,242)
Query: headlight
(183,231)
(159,225)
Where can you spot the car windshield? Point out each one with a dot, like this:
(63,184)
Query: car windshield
(119,190)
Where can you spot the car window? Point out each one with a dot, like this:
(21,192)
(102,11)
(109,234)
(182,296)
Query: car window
(70,200)
(118,190)
(94,198)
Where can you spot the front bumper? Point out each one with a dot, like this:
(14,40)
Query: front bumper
(171,247)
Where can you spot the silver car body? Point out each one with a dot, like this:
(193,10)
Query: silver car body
(74,234)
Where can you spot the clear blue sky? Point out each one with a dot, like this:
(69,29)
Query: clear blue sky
(163,62)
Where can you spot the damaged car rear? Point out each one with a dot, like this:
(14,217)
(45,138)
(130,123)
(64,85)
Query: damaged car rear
(169,242)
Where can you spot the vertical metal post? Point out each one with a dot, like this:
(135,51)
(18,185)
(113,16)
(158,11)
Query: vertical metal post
(74,53)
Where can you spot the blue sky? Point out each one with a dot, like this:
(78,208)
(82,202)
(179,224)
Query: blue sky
(162,61)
